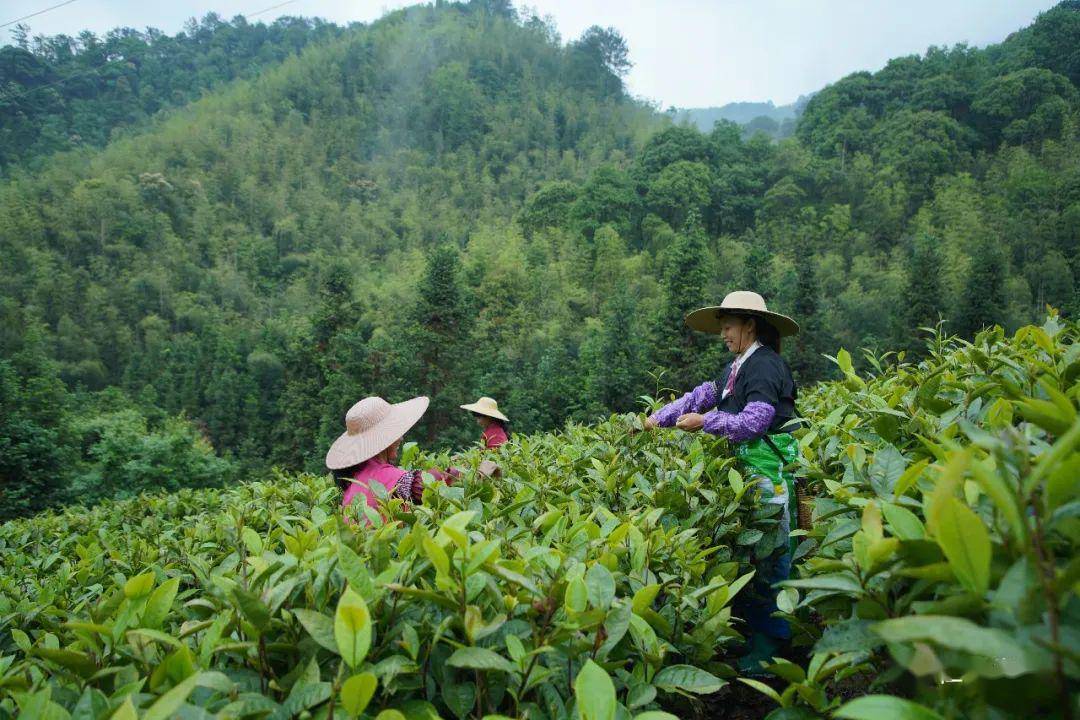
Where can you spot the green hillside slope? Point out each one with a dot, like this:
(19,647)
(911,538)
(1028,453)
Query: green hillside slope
(453,202)
(266,245)
(60,93)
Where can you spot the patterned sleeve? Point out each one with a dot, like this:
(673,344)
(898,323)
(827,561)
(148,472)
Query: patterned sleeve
(752,422)
(700,399)
(406,486)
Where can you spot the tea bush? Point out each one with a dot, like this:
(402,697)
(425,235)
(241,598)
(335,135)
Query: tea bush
(595,578)
(943,562)
(602,558)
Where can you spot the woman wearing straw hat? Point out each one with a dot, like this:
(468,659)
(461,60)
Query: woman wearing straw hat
(365,454)
(486,412)
(753,406)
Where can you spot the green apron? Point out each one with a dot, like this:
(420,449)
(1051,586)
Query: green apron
(764,466)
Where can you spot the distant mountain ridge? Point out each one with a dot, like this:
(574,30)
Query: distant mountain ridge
(740,113)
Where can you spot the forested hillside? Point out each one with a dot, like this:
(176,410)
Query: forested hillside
(454,201)
(59,93)
(340,225)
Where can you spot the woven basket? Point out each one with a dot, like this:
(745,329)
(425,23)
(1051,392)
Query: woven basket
(805,503)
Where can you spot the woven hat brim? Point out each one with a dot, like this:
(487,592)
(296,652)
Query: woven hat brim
(349,450)
(707,319)
(486,412)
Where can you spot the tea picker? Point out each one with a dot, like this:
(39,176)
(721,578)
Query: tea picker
(752,404)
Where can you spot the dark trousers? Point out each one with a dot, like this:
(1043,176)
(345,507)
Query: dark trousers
(757,602)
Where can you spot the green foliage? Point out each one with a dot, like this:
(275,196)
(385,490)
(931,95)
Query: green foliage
(944,546)
(127,76)
(685,275)
(985,290)
(123,457)
(923,292)
(597,573)
(34,407)
(254,260)
(436,342)
(595,577)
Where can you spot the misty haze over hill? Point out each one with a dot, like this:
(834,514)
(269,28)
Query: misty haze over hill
(758,115)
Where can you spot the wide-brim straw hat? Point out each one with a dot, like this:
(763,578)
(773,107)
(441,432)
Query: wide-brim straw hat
(740,302)
(486,406)
(371,426)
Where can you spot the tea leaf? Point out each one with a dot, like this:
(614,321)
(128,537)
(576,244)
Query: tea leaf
(320,627)
(252,541)
(356,693)
(126,711)
(903,523)
(966,543)
(477,658)
(576,598)
(1002,655)
(455,525)
(688,678)
(460,698)
(253,609)
(352,628)
(595,693)
(160,603)
(355,572)
(139,585)
(170,702)
(884,707)
(601,586)
(762,688)
(77,662)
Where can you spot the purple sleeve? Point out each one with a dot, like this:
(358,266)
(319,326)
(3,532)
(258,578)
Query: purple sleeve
(751,423)
(405,487)
(700,399)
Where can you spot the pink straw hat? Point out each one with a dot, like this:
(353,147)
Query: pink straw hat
(372,425)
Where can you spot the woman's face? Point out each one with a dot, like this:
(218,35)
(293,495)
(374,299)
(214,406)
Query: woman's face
(737,332)
(393,450)
(483,421)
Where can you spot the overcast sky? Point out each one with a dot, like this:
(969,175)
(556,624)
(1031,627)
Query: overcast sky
(688,53)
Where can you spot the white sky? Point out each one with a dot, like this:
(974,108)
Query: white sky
(689,53)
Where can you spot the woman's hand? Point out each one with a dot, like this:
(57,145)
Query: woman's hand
(646,425)
(690,422)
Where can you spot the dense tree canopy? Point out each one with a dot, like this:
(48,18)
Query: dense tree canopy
(62,92)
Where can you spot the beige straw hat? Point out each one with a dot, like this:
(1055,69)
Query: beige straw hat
(372,425)
(740,302)
(488,407)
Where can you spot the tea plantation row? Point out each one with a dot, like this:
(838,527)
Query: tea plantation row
(595,579)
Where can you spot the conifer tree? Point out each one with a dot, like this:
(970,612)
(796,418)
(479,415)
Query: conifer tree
(756,274)
(983,303)
(440,324)
(922,294)
(678,349)
(617,372)
(308,366)
(805,357)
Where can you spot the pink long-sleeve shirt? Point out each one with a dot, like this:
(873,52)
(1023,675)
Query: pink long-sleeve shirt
(405,484)
(494,436)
